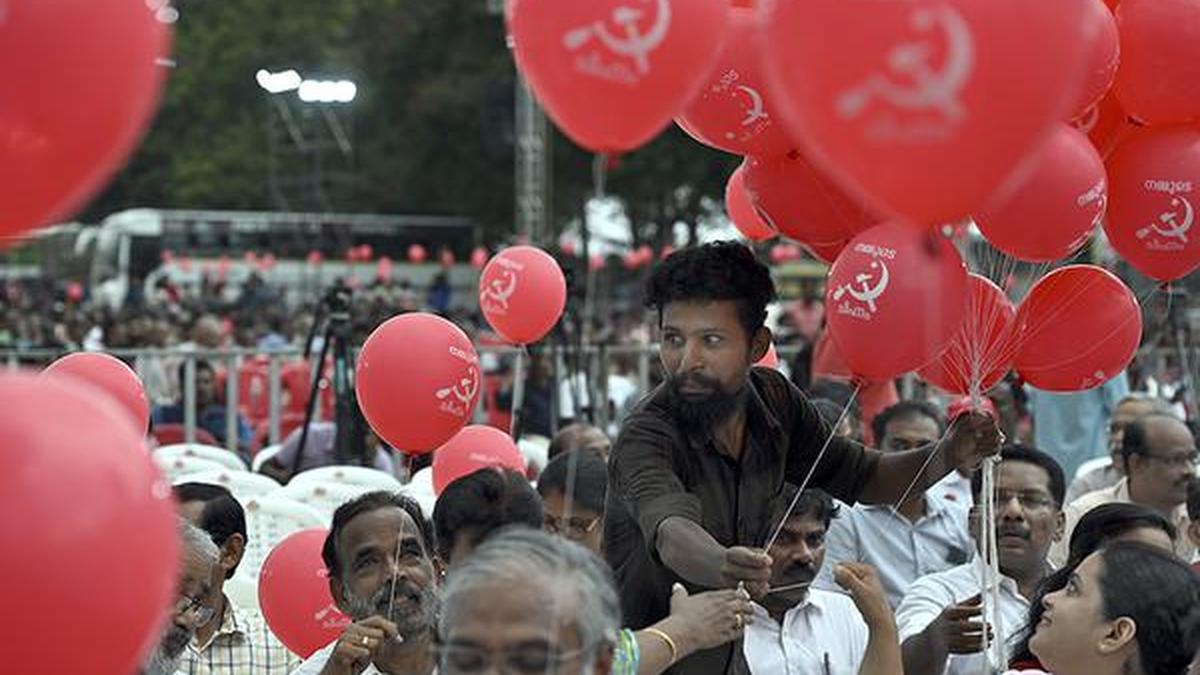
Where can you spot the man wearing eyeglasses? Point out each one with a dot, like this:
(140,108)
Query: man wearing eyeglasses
(942,621)
(199,558)
(1158,452)
(528,603)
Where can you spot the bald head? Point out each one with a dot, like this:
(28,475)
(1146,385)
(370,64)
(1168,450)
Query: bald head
(1159,452)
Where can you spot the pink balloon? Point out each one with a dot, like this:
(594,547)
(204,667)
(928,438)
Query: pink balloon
(110,377)
(1159,78)
(293,591)
(800,202)
(1054,209)
(522,293)
(925,106)
(740,209)
(734,112)
(417,381)
(417,254)
(895,298)
(1078,328)
(474,448)
(611,75)
(1155,195)
(982,351)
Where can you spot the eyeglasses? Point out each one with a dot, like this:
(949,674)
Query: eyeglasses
(193,610)
(1184,461)
(522,659)
(572,528)
(1030,501)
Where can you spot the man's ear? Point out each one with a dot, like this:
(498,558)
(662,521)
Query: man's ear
(1060,526)
(760,343)
(232,552)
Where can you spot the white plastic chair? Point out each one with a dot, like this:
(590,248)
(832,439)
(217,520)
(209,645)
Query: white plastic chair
(1092,464)
(422,480)
(243,484)
(213,454)
(175,466)
(348,475)
(324,497)
(268,520)
(263,455)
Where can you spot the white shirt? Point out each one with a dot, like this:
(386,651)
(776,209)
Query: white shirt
(955,488)
(824,635)
(931,594)
(900,551)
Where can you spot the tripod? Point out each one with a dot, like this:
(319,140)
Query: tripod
(350,442)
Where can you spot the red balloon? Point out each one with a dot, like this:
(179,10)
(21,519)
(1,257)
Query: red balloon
(1159,78)
(981,353)
(612,75)
(475,447)
(75,292)
(734,111)
(926,105)
(796,199)
(1078,328)
(597,262)
(417,254)
(740,209)
(80,492)
(110,376)
(314,258)
(383,269)
(417,381)
(770,359)
(827,253)
(479,257)
(522,294)
(69,122)
(1103,56)
(1105,123)
(293,591)
(895,298)
(785,253)
(1155,176)
(1056,205)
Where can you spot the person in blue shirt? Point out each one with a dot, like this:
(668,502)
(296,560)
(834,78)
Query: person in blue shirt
(210,413)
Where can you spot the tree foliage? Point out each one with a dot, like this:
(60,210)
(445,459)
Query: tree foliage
(432,127)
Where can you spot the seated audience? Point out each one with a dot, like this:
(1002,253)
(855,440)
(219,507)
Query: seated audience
(199,566)
(941,620)
(925,534)
(1159,456)
(474,506)
(1128,609)
(210,412)
(800,629)
(236,641)
(573,487)
(579,436)
(383,574)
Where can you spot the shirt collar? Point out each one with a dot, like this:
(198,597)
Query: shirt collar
(233,623)
(1007,583)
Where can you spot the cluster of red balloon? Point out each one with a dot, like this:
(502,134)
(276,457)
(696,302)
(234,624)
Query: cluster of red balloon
(418,379)
(78,488)
(922,113)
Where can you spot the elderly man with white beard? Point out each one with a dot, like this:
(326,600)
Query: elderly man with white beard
(199,558)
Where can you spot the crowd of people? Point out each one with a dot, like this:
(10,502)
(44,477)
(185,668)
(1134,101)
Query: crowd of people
(739,525)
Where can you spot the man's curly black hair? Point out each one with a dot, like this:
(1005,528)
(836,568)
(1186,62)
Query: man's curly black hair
(724,270)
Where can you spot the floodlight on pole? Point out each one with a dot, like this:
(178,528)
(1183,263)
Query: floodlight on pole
(327,91)
(278,83)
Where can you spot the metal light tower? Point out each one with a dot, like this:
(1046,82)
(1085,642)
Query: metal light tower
(533,159)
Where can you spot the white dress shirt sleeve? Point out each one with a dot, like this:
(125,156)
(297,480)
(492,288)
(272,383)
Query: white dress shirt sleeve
(841,545)
(922,604)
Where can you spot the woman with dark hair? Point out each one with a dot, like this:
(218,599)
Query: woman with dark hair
(1128,609)
(1099,527)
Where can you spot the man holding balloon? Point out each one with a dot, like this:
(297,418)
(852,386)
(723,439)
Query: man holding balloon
(700,462)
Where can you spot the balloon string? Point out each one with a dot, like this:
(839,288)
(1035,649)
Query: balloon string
(599,175)
(813,469)
(937,447)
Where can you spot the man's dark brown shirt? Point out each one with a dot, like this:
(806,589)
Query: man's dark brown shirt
(659,469)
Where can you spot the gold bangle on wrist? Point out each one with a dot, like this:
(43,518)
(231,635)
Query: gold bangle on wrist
(667,639)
